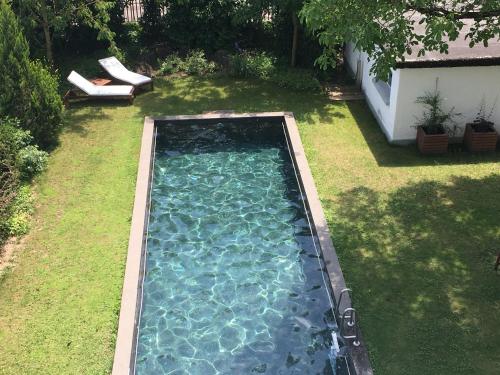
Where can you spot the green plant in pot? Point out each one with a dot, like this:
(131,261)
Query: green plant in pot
(480,135)
(436,125)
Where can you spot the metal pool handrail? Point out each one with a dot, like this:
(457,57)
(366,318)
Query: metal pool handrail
(349,314)
(344,291)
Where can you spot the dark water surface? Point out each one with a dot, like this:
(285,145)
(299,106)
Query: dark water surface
(233,284)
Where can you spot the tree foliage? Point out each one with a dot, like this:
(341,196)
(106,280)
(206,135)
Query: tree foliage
(53,18)
(41,105)
(14,57)
(211,25)
(253,12)
(205,24)
(29,90)
(389,30)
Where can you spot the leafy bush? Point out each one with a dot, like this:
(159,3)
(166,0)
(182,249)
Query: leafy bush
(252,65)
(264,66)
(9,185)
(29,91)
(131,38)
(296,79)
(171,65)
(42,107)
(197,63)
(17,150)
(20,213)
(213,25)
(12,137)
(31,161)
(194,63)
(18,159)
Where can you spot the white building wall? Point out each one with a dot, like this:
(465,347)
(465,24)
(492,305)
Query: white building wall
(351,56)
(462,88)
(383,108)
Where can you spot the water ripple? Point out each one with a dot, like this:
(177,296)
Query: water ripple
(232,284)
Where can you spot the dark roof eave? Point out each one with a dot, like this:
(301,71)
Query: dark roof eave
(449,63)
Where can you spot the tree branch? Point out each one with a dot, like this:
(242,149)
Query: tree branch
(457,15)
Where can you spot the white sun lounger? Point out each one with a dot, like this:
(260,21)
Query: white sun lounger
(88,90)
(116,70)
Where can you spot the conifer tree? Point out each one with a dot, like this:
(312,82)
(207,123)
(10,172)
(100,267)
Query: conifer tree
(30,90)
(14,57)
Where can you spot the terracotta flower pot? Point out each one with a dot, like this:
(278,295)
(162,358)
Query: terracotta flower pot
(431,143)
(480,138)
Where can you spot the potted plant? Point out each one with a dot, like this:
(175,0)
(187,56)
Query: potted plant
(480,135)
(435,126)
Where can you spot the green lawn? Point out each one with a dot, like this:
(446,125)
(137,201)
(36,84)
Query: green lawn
(416,236)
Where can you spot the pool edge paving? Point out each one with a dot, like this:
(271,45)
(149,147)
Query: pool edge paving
(130,303)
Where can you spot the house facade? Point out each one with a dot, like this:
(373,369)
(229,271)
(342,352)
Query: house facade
(467,77)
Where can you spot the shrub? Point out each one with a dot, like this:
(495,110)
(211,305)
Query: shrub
(9,185)
(12,137)
(15,149)
(171,64)
(17,159)
(296,79)
(42,106)
(264,66)
(31,161)
(20,213)
(131,38)
(252,65)
(29,91)
(194,63)
(197,63)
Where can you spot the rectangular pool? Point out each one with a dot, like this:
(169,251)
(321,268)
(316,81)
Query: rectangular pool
(232,277)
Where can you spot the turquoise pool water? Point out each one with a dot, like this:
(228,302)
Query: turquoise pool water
(233,283)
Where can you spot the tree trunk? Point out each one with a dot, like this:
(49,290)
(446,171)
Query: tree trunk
(46,33)
(295,41)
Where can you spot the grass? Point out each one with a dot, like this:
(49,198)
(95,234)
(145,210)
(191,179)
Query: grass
(416,236)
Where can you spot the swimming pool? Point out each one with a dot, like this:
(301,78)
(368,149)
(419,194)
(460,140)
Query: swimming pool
(233,279)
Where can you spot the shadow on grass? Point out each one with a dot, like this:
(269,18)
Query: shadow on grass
(404,156)
(420,261)
(196,95)
(81,112)
(85,64)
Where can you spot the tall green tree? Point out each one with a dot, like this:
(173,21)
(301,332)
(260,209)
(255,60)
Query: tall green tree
(53,17)
(14,59)
(389,30)
(29,90)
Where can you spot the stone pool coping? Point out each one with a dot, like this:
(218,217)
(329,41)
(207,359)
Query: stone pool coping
(126,336)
